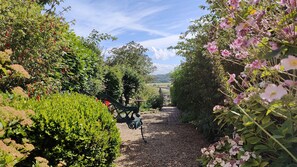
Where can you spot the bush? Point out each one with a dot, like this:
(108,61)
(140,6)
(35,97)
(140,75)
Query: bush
(72,128)
(156,102)
(14,145)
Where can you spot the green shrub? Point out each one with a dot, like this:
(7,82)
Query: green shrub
(72,128)
(14,145)
(156,102)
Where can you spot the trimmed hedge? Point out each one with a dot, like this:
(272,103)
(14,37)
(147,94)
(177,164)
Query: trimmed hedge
(72,128)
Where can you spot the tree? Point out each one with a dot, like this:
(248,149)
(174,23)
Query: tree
(131,84)
(113,82)
(132,55)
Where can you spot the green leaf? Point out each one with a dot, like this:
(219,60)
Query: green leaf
(278,136)
(292,140)
(263,164)
(253,140)
(266,120)
(248,123)
(261,147)
(265,74)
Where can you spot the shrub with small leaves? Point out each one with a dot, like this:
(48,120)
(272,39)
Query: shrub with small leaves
(73,128)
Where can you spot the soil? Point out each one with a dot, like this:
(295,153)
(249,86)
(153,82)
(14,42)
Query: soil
(169,142)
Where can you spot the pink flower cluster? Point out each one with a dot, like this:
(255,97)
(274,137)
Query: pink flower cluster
(211,47)
(227,152)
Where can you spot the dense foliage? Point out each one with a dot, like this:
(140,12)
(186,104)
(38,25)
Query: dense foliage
(72,128)
(194,84)
(81,69)
(14,143)
(113,82)
(260,95)
(132,55)
(67,130)
(33,37)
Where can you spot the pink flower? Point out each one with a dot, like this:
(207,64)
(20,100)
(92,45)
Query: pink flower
(238,99)
(245,83)
(276,67)
(237,43)
(203,150)
(224,24)
(242,29)
(289,63)
(273,92)
(211,47)
(288,3)
(234,3)
(289,30)
(246,156)
(290,83)
(254,41)
(241,55)
(243,75)
(257,64)
(255,2)
(218,107)
(225,53)
(273,45)
(234,150)
(231,78)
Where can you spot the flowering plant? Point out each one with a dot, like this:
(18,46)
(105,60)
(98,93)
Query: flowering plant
(261,100)
(229,152)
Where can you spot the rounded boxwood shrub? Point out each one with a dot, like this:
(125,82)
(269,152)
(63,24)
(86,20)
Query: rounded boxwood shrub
(73,129)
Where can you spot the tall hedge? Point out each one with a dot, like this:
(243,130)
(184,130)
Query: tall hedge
(72,128)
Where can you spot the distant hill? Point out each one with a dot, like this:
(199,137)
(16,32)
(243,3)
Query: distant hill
(161,78)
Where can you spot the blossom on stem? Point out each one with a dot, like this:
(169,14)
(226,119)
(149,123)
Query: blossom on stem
(290,83)
(234,3)
(256,64)
(237,43)
(241,55)
(225,53)
(238,99)
(246,156)
(231,78)
(234,150)
(218,107)
(273,92)
(225,23)
(253,41)
(289,63)
(255,2)
(242,29)
(211,47)
(273,45)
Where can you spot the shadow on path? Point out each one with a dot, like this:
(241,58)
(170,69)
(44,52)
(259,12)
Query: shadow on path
(170,143)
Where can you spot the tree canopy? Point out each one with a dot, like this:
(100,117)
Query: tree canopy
(132,55)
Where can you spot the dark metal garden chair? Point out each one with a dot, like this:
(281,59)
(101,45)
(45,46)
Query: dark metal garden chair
(127,114)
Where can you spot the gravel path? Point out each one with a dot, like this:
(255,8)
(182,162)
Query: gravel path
(170,143)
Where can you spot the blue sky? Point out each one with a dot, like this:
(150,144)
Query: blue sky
(156,24)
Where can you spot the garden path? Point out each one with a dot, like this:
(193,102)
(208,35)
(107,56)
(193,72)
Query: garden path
(170,143)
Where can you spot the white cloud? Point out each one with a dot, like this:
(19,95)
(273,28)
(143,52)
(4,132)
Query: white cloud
(163,54)
(163,42)
(164,68)
(111,17)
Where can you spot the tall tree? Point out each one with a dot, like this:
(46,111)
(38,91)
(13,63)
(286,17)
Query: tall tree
(132,55)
